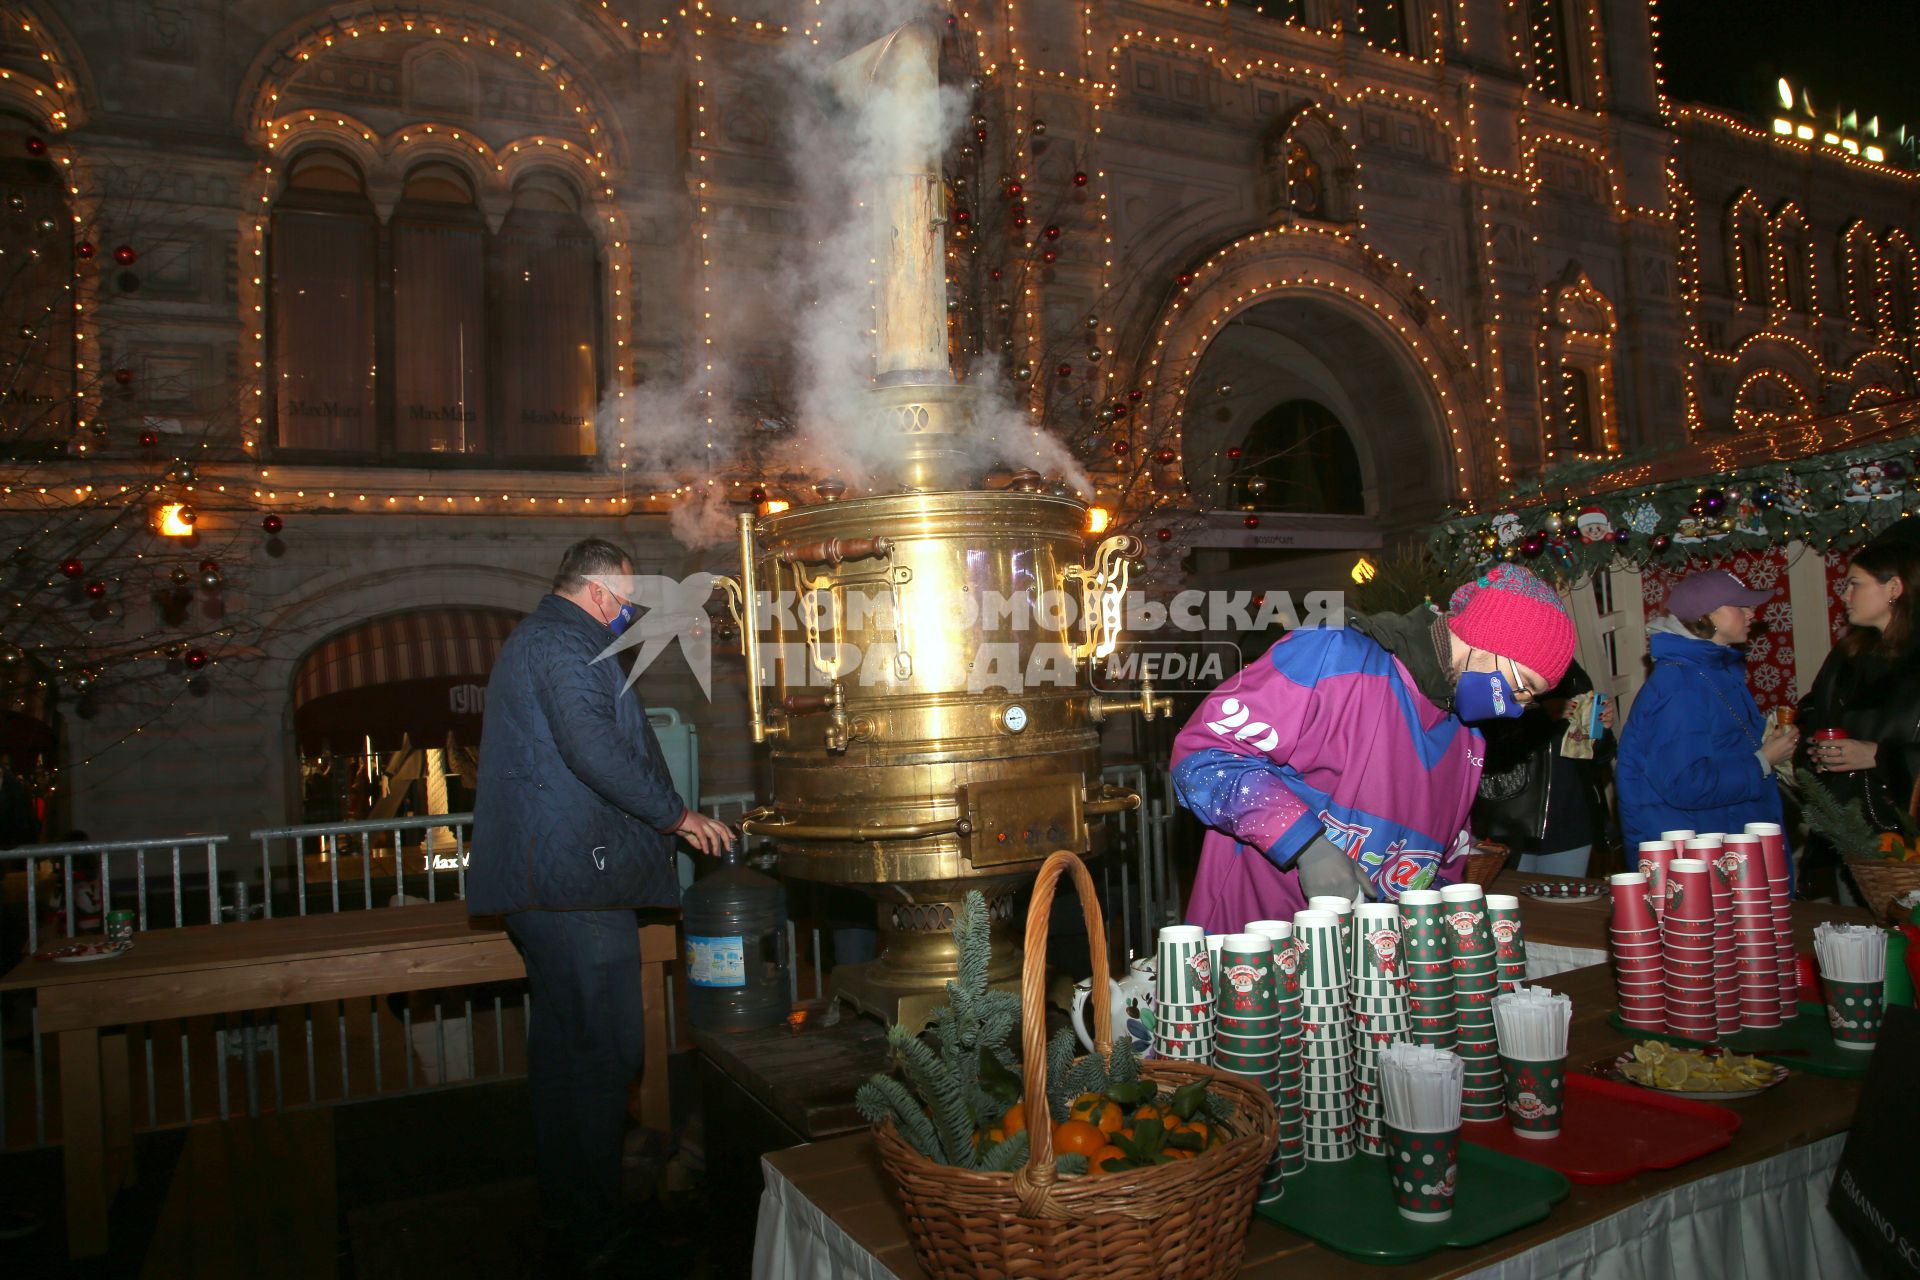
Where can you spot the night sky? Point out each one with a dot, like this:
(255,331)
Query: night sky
(1859,54)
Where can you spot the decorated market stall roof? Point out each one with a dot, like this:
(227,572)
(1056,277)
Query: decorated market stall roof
(1828,481)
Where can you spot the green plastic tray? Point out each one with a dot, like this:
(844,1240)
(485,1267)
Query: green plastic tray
(1807,1033)
(1348,1207)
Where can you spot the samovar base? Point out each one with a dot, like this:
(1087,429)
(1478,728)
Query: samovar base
(918,957)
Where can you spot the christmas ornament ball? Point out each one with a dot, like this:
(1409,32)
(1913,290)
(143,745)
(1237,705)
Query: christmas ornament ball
(1080,179)
(1164,535)
(1620,536)
(1120,447)
(274,524)
(71,568)
(148,439)
(36,146)
(97,590)
(181,576)
(125,255)
(1252,522)
(210,580)
(1532,545)
(210,566)
(1660,541)
(195,659)
(1711,501)
(84,250)
(1165,457)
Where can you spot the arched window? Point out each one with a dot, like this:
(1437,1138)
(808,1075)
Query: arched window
(480,344)
(1790,242)
(1384,24)
(1298,457)
(1860,269)
(547,285)
(1306,185)
(439,314)
(36,301)
(1578,368)
(1897,256)
(1550,39)
(323,243)
(1583,418)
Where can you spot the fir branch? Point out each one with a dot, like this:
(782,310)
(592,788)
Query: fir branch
(934,1080)
(1844,825)
(884,1098)
(1060,1051)
(1005,1157)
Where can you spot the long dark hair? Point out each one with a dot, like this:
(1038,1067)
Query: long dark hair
(1887,560)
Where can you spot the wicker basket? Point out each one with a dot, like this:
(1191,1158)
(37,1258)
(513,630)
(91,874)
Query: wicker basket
(1187,1219)
(1484,862)
(1881,881)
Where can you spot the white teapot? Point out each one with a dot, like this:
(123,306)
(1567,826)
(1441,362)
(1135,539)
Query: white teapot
(1131,1001)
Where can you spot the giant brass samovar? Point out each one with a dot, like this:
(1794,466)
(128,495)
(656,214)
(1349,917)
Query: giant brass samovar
(925,697)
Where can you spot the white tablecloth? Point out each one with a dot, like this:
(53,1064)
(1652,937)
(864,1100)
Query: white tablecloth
(1544,959)
(1765,1220)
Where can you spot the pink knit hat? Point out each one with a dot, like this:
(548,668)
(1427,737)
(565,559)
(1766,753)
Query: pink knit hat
(1509,611)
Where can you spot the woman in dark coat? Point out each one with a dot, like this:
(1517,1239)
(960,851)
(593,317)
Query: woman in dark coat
(1869,686)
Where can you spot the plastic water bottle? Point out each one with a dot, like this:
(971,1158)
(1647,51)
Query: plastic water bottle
(735,921)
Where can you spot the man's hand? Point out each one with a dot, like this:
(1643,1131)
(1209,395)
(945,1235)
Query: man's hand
(709,835)
(1327,872)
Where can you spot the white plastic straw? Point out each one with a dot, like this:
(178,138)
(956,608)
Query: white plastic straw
(1851,952)
(1532,1023)
(1420,1088)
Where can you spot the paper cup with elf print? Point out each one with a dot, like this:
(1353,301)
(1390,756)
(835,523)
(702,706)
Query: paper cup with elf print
(1469,939)
(1854,1012)
(1375,952)
(1316,937)
(1509,941)
(1286,961)
(1247,976)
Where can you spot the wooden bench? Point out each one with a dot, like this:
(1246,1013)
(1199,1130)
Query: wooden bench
(263,964)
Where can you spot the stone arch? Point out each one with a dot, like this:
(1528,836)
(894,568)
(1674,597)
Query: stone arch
(1333,292)
(47,77)
(1746,248)
(1790,274)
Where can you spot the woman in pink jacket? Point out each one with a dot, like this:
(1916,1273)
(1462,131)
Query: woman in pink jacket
(1342,762)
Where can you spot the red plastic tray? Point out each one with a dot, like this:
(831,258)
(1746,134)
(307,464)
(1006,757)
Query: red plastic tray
(1611,1131)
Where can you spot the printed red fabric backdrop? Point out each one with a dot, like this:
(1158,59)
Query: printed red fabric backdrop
(1769,656)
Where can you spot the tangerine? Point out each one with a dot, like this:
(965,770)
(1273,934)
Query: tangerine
(1015,1121)
(1097,1163)
(1077,1137)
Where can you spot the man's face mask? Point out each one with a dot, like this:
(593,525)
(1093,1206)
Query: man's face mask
(1485,695)
(620,621)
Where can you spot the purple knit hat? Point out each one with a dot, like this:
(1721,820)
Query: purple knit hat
(1511,612)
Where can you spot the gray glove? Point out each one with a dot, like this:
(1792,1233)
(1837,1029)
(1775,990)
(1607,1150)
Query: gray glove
(1326,871)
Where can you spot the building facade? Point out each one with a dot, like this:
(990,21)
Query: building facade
(415,279)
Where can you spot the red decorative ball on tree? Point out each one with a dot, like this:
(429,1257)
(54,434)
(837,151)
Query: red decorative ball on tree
(148,439)
(84,249)
(1532,545)
(210,566)
(1119,410)
(1234,453)
(272,523)
(1252,522)
(1080,179)
(123,376)
(1048,256)
(1164,535)
(1165,456)
(1133,395)
(1120,447)
(195,659)
(962,217)
(1064,370)
(36,146)
(1013,190)
(1186,278)
(993,273)
(756,494)
(1052,232)
(97,589)
(124,255)
(1019,221)
(71,568)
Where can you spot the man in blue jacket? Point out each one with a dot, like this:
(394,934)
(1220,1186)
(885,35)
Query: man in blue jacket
(573,826)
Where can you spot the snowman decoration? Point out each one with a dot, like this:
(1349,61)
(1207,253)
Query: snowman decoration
(1593,524)
(1506,527)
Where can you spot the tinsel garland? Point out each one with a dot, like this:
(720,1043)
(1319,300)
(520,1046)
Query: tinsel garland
(1561,529)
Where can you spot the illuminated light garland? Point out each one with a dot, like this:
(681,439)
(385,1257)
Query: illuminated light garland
(1747,418)
(1582,350)
(52,96)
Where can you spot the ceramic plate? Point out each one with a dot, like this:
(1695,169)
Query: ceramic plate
(1564,891)
(1612,1072)
(82,952)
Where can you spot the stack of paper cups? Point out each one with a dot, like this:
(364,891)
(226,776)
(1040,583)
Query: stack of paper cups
(1343,908)
(1686,948)
(1773,850)
(1247,1035)
(1655,855)
(1637,974)
(1326,1037)
(1379,1009)
(1427,957)
(1290,1151)
(1184,983)
(1475,982)
(1755,945)
(1510,944)
(1726,961)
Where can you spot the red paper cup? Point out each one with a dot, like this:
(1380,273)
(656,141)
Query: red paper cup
(1746,865)
(1631,910)
(1690,891)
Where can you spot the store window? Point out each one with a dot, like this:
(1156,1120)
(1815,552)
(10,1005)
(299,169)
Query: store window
(432,337)
(36,306)
(1298,458)
(1550,40)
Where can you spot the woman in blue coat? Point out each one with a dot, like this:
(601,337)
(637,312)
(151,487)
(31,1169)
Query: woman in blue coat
(1695,753)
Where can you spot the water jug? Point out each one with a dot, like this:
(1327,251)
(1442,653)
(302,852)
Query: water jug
(735,923)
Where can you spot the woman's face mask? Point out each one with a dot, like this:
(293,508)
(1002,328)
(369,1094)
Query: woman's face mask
(1485,695)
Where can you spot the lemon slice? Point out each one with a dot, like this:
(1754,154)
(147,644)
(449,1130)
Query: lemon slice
(1672,1074)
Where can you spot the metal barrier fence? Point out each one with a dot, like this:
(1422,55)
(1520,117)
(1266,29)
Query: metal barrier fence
(174,881)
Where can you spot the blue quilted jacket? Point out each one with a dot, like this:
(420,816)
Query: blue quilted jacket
(574,802)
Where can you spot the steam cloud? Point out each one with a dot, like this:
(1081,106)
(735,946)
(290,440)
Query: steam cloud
(808,305)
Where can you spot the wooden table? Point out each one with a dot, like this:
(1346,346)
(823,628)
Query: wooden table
(843,1178)
(262,964)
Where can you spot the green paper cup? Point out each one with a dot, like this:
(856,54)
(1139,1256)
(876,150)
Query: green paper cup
(1184,970)
(1316,937)
(1854,1011)
(1535,1095)
(1423,1167)
(1247,977)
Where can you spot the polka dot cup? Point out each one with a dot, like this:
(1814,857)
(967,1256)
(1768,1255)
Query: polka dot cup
(1853,1012)
(1423,1167)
